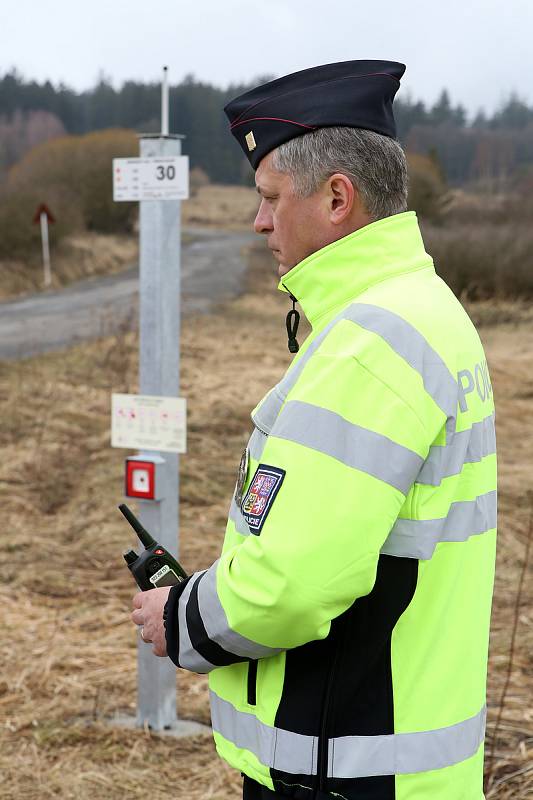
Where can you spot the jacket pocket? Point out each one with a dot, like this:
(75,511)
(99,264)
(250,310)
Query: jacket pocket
(252,683)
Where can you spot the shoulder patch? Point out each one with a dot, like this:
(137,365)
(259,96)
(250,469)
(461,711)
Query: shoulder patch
(261,493)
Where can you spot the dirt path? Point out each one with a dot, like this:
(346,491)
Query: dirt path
(213,270)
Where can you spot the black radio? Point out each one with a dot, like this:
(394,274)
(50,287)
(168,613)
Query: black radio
(154,567)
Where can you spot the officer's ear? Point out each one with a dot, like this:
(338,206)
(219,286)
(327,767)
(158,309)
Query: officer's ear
(342,196)
(345,207)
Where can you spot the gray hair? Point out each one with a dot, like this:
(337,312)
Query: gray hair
(375,164)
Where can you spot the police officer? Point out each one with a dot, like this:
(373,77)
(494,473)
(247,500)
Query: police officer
(345,625)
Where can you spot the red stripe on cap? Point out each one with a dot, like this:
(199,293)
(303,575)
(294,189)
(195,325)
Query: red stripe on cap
(302,88)
(273,119)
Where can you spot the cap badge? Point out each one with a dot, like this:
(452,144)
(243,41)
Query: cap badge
(250,141)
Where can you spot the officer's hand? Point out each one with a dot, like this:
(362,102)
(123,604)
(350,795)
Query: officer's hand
(147,612)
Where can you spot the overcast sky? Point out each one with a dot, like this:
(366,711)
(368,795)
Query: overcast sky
(481,50)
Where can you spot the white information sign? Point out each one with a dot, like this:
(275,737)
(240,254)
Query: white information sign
(148,422)
(161,178)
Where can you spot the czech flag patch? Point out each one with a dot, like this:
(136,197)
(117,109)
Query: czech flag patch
(261,494)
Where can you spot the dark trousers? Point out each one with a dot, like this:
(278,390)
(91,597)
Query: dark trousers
(251,790)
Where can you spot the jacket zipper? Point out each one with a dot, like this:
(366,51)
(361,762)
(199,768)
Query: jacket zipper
(252,683)
(322,755)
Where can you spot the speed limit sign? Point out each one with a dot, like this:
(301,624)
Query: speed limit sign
(164,178)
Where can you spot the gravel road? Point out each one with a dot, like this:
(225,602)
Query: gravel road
(212,267)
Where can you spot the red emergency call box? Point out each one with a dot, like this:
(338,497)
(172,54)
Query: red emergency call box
(140,479)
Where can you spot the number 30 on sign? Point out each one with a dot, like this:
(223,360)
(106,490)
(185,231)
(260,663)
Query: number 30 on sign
(162,178)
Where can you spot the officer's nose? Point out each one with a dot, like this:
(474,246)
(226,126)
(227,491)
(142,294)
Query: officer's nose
(263,222)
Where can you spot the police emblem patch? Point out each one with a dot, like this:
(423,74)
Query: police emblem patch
(261,494)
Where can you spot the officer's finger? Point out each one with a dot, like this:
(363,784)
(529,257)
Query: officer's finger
(137,616)
(137,600)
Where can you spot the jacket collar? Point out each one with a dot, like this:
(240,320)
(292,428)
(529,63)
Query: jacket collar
(336,274)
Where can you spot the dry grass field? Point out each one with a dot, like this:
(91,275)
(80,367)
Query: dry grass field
(67,648)
(81,255)
(88,253)
(233,207)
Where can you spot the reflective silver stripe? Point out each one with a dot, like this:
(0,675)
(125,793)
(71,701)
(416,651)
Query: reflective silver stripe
(296,369)
(417,538)
(216,622)
(188,656)
(356,447)
(401,336)
(274,747)
(349,756)
(443,461)
(267,413)
(257,443)
(410,345)
(235,515)
(405,753)
(464,447)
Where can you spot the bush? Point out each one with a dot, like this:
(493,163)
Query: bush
(427,187)
(97,150)
(20,237)
(482,260)
(73,176)
(198,178)
(519,202)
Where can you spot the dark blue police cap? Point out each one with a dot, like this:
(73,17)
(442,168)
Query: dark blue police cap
(353,94)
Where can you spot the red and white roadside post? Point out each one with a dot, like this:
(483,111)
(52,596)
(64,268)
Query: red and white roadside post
(43,215)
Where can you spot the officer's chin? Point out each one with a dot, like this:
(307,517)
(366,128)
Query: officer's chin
(282,268)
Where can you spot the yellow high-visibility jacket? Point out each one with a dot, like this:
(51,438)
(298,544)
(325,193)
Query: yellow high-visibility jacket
(345,625)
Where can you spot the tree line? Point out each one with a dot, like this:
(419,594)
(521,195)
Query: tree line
(489,149)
